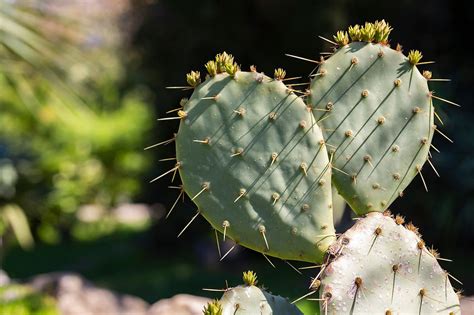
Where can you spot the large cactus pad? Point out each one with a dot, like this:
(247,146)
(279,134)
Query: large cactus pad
(376,114)
(381,267)
(253,160)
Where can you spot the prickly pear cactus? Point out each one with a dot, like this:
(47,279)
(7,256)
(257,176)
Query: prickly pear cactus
(250,300)
(252,158)
(381,267)
(376,113)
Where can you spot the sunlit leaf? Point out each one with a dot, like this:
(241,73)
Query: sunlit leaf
(16,219)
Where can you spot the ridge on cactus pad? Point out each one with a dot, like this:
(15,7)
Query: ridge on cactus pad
(381,267)
(250,300)
(253,159)
(377,117)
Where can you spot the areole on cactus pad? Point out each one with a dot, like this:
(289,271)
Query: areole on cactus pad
(253,159)
(377,116)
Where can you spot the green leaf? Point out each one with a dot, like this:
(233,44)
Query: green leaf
(16,219)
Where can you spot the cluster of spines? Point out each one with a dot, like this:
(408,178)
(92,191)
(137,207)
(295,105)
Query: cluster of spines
(193,78)
(223,62)
(414,57)
(377,32)
(250,278)
(213,308)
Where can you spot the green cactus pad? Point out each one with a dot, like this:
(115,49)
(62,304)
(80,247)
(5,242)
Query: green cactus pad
(252,158)
(376,113)
(381,267)
(251,300)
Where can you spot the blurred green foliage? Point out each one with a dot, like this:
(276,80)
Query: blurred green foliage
(12,216)
(18,299)
(93,231)
(70,134)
